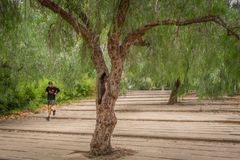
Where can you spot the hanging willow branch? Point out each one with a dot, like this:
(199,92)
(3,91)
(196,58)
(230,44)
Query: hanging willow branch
(90,37)
(65,15)
(132,37)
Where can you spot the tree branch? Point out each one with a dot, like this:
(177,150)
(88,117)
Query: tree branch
(97,27)
(82,15)
(142,43)
(132,37)
(84,18)
(120,17)
(115,31)
(91,39)
(66,16)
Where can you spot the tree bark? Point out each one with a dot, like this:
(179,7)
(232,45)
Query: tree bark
(107,94)
(173,96)
(105,124)
(108,87)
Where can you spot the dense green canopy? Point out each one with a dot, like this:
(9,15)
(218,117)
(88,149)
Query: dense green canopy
(36,46)
(203,56)
(34,50)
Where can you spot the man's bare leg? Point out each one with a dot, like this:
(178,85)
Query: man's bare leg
(49,112)
(53,110)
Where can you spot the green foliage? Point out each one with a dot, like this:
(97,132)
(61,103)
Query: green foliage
(36,48)
(80,88)
(29,95)
(201,56)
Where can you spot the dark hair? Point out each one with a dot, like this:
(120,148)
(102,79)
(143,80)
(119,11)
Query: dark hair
(50,82)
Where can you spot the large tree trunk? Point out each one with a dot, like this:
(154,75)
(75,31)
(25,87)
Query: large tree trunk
(173,96)
(105,124)
(107,94)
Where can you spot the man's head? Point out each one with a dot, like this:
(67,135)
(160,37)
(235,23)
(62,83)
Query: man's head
(50,84)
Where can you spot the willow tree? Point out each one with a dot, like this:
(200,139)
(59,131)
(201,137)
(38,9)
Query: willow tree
(179,58)
(10,68)
(28,59)
(120,38)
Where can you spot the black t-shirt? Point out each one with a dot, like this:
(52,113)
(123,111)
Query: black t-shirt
(51,92)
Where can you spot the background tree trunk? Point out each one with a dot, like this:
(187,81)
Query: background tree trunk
(173,96)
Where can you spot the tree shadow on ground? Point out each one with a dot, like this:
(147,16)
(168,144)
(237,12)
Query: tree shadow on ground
(116,154)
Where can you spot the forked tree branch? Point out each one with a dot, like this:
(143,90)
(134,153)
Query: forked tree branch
(132,37)
(115,31)
(120,16)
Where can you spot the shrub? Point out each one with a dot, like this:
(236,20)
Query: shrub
(31,95)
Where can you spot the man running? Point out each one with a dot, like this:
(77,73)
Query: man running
(51,92)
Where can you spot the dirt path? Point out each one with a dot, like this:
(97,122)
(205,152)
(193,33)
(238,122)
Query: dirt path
(191,130)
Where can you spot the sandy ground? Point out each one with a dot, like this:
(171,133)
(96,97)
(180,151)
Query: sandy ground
(147,129)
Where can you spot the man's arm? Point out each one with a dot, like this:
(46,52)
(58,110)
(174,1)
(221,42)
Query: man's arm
(57,90)
(46,90)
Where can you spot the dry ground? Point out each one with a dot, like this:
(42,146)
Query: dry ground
(190,130)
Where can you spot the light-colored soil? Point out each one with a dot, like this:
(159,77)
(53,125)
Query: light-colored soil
(147,129)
